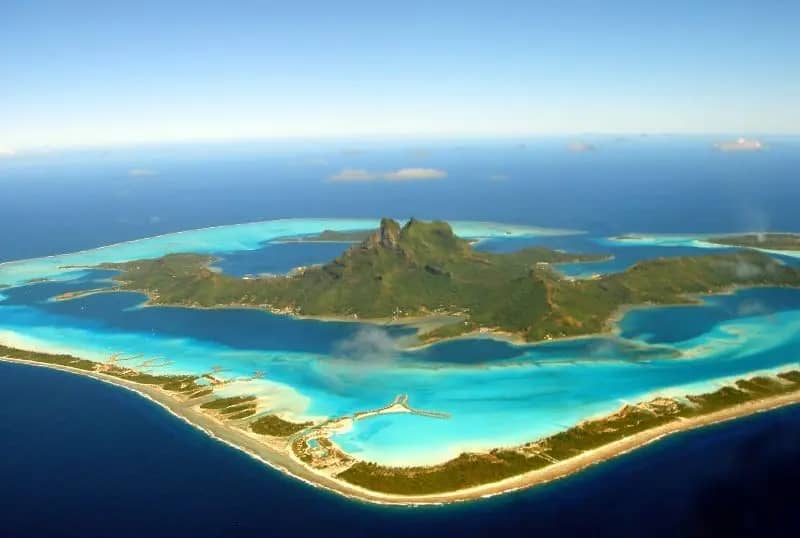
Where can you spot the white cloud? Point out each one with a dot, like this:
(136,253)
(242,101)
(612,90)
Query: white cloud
(403,174)
(753,308)
(142,172)
(741,144)
(580,147)
(368,350)
(414,174)
(368,345)
(354,174)
(6,151)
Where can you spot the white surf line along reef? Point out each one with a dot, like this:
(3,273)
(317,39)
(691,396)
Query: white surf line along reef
(227,238)
(687,241)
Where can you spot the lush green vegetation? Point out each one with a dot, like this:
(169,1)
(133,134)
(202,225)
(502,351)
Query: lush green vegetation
(424,268)
(233,407)
(232,401)
(248,407)
(276,426)
(185,385)
(772,241)
(48,358)
(140,377)
(791,377)
(462,472)
(470,469)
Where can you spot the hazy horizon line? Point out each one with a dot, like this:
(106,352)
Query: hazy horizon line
(9,150)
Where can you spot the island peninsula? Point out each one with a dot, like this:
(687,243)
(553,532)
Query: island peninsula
(423,269)
(767,240)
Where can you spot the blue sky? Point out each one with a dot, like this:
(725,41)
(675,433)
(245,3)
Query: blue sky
(83,73)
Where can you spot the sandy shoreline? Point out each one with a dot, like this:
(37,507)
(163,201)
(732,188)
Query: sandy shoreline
(254,447)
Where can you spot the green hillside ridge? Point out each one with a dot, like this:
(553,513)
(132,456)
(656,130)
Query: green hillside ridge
(422,268)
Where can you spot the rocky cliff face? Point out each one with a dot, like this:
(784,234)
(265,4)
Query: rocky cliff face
(419,241)
(387,236)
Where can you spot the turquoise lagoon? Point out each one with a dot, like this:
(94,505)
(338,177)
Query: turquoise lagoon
(496,393)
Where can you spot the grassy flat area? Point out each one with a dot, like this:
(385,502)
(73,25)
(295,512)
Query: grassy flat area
(423,268)
(234,407)
(473,469)
(222,403)
(771,241)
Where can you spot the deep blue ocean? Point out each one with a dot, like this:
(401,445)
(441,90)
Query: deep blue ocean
(63,203)
(80,458)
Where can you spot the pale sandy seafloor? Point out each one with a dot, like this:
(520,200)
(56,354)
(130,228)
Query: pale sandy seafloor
(249,444)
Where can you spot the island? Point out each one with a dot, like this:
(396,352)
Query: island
(740,144)
(768,241)
(418,271)
(423,269)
